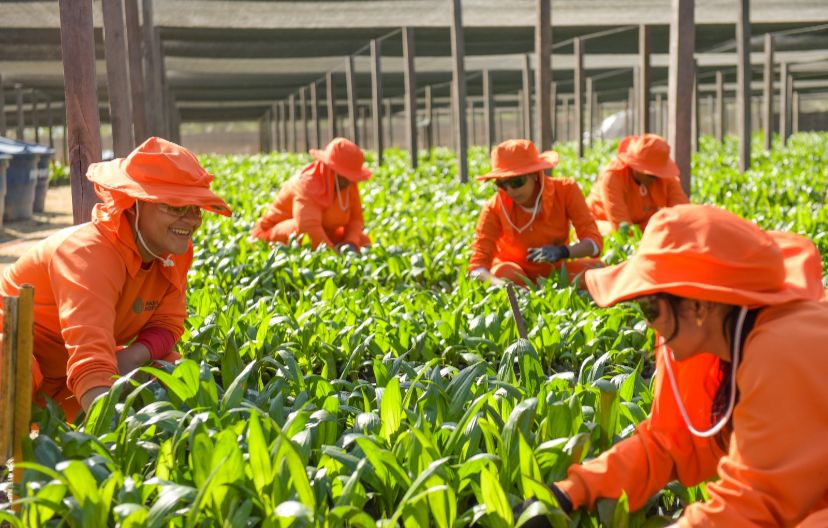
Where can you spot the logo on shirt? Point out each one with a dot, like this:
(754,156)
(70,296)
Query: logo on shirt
(139,306)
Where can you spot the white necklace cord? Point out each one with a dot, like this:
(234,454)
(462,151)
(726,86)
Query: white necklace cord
(642,189)
(347,203)
(167,262)
(534,211)
(736,350)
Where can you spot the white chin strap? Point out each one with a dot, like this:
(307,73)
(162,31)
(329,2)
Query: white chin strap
(167,262)
(736,351)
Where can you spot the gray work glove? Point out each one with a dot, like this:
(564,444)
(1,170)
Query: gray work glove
(549,253)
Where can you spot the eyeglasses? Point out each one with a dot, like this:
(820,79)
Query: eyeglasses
(180,211)
(513,183)
(649,306)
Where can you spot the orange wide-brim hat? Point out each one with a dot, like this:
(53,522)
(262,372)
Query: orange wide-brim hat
(709,254)
(517,157)
(649,154)
(158,171)
(345,158)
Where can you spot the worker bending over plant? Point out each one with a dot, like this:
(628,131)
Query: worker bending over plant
(741,366)
(640,180)
(110,293)
(322,201)
(523,230)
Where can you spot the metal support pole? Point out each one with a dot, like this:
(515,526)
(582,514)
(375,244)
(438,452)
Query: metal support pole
(579,94)
(117,76)
(743,79)
(376,97)
(543,74)
(459,91)
(410,81)
(767,93)
(680,98)
(643,80)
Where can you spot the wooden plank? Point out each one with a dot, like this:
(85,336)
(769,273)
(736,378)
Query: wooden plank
(429,112)
(3,125)
(23,375)
(488,110)
(590,121)
(720,108)
(136,71)
(458,52)
(117,78)
(316,138)
(77,42)
(767,92)
(7,379)
(543,74)
(376,98)
(680,89)
(743,79)
(21,122)
(303,118)
(644,80)
(350,80)
(579,94)
(292,140)
(410,83)
(526,106)
(331,102)
(784,103)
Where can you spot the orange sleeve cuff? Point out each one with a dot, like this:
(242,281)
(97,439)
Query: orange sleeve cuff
(576,492)
(88,381)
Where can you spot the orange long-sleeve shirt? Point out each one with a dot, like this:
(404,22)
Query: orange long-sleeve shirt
(616,197)
(91,296)
(562,203)
(318,222)
(776,470)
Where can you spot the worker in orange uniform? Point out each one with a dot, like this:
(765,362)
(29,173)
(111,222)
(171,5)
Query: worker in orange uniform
(523,230)
(110,293)
(322,201)
(640,180)
(741,366)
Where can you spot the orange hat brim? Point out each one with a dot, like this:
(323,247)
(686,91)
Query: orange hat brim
(111,175)
(546,160)
(363,174)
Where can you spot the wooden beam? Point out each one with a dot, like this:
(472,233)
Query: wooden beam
(389,123)
(543,74)
(429,112)
(743,79)
(21,123)
(77,44)
(35,116)
(458,52)
(352,96)
(283,112)
(630,110)
(579,94)
(767,93)
(720,108)
(658,125)
(277,127)
(527,97)
(694,114)
(784,103)
(331,100)
(136,71)
(644,79)
(292,141)
(3,125)
(117,77)
(376,97)
(50,121)
(488,109)
(154,82)
(590,109)
(303,118)
(567,136)
(410,82)
(553,109)
(794,111)
(314,107)
(680,97)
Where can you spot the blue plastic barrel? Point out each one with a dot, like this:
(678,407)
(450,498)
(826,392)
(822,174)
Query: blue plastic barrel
(42,185)
(21,179)
(4,163)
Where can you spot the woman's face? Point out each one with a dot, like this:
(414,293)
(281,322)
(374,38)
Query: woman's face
(167,229)
(695,326)
(642,177)
(342,182)
(522,194)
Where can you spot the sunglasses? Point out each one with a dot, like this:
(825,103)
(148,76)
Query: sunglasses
(649,306)
(180,211)
(512,183)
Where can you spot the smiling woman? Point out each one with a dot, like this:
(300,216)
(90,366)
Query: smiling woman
(103,306)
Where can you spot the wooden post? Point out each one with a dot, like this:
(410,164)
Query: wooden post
(3,126)
(631,126)
(8,370)
(136,71)
(590,109)
(315,128)
(117,77)
(35,117)
(331,100)
(283,110)
(352,96)
(543,74)
(154,68)
(488,109)
(784,103)
(23,375)
(363,117)
(659,115)
(303,117)
(21,123)
(292,140)
(566,120)
(527,97)
(743,80)
(720,108)
(767,93)
(376,97)
(473,122)
(680,98)
(499,131)
(694,115)
(553,108)
(643,80)
(794,111)
(49,122)
(389,123)
(276,127)
(459,92)
(429,111)
(579,95)
(77,43)
(410,81)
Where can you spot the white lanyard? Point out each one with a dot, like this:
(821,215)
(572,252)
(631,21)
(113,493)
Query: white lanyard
(347,204)
(535,210)
(737,348)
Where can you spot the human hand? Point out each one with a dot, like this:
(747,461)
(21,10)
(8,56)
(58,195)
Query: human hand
(548,253)
(134,356)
